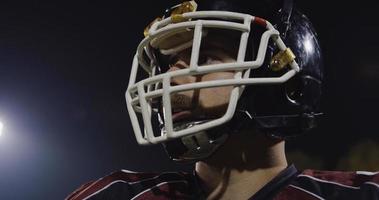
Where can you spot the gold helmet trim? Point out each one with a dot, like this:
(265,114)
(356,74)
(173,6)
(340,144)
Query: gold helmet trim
(282,59)
(176,14)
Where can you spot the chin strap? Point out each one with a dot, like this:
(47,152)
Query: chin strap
(203,144)
(276,126)
(195,147)
(287,126)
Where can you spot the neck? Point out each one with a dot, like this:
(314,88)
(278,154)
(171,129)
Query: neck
(242,166)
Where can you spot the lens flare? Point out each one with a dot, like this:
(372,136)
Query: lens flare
(1,128)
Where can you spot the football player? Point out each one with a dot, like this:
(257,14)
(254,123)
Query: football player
(223,84)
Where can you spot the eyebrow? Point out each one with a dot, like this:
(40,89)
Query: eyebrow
(210,44)
(230,49)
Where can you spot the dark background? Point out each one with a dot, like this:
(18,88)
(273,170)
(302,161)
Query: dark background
(64,68)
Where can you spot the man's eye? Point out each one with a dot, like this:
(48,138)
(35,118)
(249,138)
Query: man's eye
(206,59)
(165,62)
(202,59)
(172,60)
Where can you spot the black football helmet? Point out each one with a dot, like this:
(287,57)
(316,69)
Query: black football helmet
(278,61)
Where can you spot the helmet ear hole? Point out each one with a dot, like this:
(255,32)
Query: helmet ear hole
(293,90)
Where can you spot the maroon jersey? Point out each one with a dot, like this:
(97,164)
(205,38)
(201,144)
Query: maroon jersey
(290,184)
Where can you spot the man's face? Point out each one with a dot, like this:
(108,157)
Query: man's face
(205,103)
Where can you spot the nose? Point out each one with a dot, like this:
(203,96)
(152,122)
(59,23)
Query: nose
(180,80)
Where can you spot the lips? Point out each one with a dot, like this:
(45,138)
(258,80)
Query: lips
(181,107)
(181,115)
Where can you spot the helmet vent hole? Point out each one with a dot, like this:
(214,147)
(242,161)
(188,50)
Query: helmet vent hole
(293,91)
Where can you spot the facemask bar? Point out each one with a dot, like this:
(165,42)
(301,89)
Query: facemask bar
(138,94)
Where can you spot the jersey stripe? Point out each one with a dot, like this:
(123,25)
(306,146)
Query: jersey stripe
(308,192)
(155,177)
(100,190)
(158,185)
(140,180)
(84,191)
(331,182)
(367,173)
(372,183)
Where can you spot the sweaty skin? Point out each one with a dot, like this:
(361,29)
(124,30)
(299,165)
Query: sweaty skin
(242,166)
